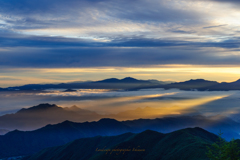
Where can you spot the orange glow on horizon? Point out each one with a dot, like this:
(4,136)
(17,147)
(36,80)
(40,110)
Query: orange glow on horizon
(21,76)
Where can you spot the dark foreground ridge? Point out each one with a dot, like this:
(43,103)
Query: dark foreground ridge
(22,143)
(19,143)
(187,144)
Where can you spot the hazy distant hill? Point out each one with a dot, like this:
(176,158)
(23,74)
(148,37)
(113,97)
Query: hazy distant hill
(112,83)
(226,86)
(187,144)
(192,84)
(197,84)
(130,83)
(43,114)
(124,80)
(202,84)
(133,84)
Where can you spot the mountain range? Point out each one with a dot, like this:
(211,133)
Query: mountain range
(198,84)
(36,117)
(39,116)
(112,83)
(130,83)
(20,143)
(201,84)
(187,144)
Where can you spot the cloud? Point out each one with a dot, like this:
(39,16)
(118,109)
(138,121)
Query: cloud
(68,57)
(99,33)
(229,1)
(215,26)
(103,101)
(33,12)
(8,79)
(96,18)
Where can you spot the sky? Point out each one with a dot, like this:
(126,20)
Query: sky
(56,41)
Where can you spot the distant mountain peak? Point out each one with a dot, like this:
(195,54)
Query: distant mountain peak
(129,79)
(237,81)
(108,121)
(39,107)
(198,80)
(67,122)
(110,80)
(149,132)
(74,107)
(124,80)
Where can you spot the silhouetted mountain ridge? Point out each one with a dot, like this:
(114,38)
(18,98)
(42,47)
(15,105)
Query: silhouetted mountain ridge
(130,83)
(187,144)
(111,83)
(3,131)
(124,80)
(40,107)
(198,84)
(43,114)
(27,142)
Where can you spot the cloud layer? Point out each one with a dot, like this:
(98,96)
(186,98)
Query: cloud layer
(106,102)
(97,33)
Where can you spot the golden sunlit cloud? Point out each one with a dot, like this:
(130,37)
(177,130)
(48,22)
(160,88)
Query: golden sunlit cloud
(145,106)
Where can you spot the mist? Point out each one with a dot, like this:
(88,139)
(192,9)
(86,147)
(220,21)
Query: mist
(105,102)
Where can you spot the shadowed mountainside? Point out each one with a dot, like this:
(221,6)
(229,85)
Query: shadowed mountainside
(187,144)
(3,131)
(18,143)
(230,128)
(43,114)
(38,116)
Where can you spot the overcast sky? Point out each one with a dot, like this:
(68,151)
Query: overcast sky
(43,41)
